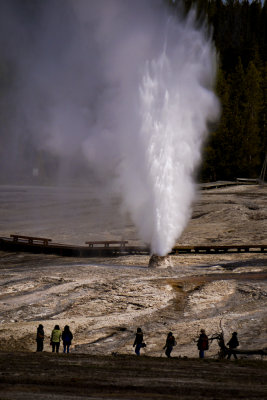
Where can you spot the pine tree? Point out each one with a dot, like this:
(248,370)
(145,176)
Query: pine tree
(263,114)
(250,149)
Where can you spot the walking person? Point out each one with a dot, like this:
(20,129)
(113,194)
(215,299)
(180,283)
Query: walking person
(233,344)
(170,342)
(40,338)
(202,343)
(55,338)
(138,343)
(67,338)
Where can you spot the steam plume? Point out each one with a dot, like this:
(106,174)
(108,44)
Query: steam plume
(124,91)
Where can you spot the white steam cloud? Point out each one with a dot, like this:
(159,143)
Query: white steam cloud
(128,88)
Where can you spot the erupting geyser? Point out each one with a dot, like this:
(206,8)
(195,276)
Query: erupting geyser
(125,87)
(160,156)
(152,111)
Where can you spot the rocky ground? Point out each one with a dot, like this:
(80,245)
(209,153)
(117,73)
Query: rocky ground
(104,300)
(31,376)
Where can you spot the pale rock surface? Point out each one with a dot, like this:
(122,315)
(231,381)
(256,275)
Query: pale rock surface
(104,300)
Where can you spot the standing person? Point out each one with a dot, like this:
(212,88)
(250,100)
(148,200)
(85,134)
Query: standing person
(40,338)
(67,338)
(202,343)
(233,344)
(170,342)
(138,343)
(55,338)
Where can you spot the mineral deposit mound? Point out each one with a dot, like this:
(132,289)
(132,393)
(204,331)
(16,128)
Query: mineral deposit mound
(156,261)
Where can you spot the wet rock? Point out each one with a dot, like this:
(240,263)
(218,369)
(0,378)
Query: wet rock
(160,261)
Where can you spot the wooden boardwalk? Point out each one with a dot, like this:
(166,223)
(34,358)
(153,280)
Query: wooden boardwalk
(112,248)
(244,248)
(220,184)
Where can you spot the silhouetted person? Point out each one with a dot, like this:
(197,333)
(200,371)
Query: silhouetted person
(138,343)
(67,338)
(55,338)
(40,338)
(233,344)
(170,342)
(202,343)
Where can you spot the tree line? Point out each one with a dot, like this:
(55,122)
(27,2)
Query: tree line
(238,144)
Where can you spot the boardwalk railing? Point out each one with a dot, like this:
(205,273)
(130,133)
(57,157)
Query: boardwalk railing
(110,248)
(31,239)
(245,248)
(107,243)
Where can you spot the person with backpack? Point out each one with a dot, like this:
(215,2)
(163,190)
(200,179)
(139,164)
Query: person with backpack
(138,343)
(40,338)
(233,344)
(55,338)
(202,343)
(170,342)
(67,338)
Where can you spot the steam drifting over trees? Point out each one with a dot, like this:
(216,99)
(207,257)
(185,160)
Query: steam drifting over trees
(237,145)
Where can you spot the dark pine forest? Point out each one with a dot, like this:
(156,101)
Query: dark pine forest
(238,145)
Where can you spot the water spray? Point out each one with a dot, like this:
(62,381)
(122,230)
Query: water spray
(176,103)
(122,91)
